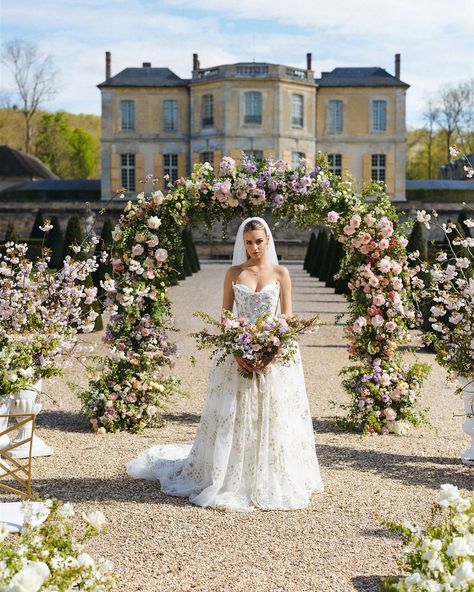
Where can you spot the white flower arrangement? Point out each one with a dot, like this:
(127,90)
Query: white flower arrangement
(46,557)
(439,558)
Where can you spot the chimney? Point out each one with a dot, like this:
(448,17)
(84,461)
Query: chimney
(309,59)
(146,64)
(108,65)
(397,65)
(195,62)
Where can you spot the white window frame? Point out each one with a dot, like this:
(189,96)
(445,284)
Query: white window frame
(379,115)
(127,171)
(296,157)
(378,167)
(170,115)
(127,115)
(335,114)
(170,167)
(335,163)
(297,110)
(207,110)
(253,107)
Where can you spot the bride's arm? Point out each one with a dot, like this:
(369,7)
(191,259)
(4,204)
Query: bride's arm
(228,297)
(285,291)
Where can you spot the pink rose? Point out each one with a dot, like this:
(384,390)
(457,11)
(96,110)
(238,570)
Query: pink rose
(404,242)
(369,220)
(390,414)
(333,216)
(378,299)
(391,326)
(397,283)
(377,321)
(384,244)
(151,410)
(355,221)
(161,255)
(137,249)
(152,242)
(349,229)
(385,265)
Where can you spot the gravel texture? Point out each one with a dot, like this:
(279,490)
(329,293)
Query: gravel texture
(165,544)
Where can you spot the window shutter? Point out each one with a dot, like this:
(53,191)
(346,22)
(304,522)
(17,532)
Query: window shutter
(367,167)
(139,170)
(346,165)
(115,177)
(390,173)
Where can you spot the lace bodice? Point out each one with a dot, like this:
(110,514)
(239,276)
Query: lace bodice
(250,304)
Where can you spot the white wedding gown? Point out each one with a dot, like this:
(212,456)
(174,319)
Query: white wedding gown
(254,446)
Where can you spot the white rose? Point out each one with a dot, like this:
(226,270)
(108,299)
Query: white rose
(464,573)
(461,546)
(449,495)
(27,372)
(95,519)
(154,222)
(30,578)
(85,560)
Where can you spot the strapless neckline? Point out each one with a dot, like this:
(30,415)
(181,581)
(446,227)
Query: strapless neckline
(261,289)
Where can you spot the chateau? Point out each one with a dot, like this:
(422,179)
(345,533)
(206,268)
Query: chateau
(153,121)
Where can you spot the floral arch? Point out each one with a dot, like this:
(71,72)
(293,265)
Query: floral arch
(134,382)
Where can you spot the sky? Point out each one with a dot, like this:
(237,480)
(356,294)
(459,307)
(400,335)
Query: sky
(434,37)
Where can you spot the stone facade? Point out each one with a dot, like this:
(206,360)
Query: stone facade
(263,109)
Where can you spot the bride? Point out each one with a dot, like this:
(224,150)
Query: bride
(254,446)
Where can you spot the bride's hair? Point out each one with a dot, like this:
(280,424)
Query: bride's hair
(254,225)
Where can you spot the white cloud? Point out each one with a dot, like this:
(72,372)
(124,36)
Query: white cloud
(435,40)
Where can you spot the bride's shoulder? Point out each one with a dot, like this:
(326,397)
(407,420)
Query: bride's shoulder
(281,272)
(233,272)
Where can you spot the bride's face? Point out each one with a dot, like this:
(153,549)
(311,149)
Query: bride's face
(256,242)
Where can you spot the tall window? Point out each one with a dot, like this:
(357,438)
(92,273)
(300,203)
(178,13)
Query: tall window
(127,115)
(378,167)
(253,107)
(207,110)
(170,116)
(127,171)
(257,155)
(207,157)
(297,110)
(170,166)
(335,163)
(335,119)
(296,157)
(379,116)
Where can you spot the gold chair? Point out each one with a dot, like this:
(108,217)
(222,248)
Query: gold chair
(12,468)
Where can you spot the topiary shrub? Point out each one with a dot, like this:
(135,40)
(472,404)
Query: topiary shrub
(72,237)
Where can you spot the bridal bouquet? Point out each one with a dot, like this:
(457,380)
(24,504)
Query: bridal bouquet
(265,339)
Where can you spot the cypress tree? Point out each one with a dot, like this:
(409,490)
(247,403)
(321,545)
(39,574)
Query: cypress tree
(416,242)
(10,234)
(35,231)
(188,251)
(334,263)
(323,270)
(73,236)
(309,251)
(54,242)
(187,269)
(319,251)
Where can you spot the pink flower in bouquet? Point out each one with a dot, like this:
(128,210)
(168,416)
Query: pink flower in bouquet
(333,216)
(359,324)
(390,414)
(385,265)
(355,221)
(384,244)
(397,283)
(278,199)
(153,242)
(369,220)
(151,410)
(349,229)
(377,320)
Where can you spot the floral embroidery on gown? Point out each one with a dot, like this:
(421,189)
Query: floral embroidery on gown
(254,446)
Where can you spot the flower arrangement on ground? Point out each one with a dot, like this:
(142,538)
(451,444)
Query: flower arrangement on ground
(440,557)
(46,556)
(264,339)
(381,312)
(41,314)
(450,289)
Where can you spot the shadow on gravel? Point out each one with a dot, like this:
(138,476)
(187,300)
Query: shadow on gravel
(121,489)
(64,421)
(325,426)
(367,583)
(188,418)
(430,471)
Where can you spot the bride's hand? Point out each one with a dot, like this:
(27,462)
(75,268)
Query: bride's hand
(244,364)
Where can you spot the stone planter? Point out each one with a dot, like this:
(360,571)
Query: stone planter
(467,385)
(25,402)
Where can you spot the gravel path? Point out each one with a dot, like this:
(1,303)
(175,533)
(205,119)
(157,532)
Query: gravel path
(165,544)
